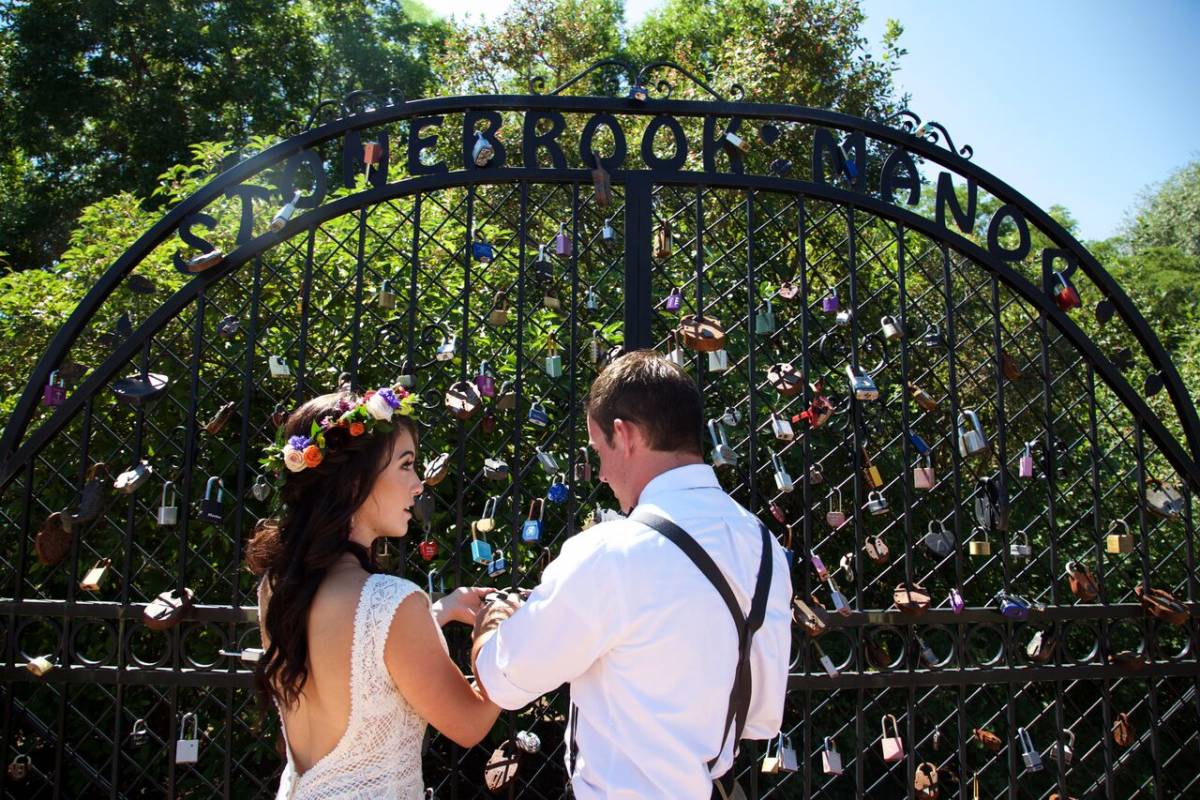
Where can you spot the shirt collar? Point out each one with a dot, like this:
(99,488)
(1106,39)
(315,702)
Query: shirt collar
(689,476)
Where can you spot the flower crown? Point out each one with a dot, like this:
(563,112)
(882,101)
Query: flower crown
(370,413)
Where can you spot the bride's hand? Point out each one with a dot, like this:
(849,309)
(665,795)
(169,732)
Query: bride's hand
(461,605)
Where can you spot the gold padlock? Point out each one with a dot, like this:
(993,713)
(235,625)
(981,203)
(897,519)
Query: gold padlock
(980,547)
(40,666)
(1119,542)
(91,581)
(871,472)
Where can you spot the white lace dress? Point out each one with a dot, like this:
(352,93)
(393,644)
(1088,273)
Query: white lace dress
(379,756)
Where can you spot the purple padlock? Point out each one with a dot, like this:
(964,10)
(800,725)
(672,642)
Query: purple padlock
(956,601)
(55,391)
(484,381)
(819,566)
(562,242)
(1026,465)
(674,300)
(830,303)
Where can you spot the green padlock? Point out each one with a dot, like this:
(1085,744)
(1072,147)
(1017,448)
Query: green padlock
(764,321)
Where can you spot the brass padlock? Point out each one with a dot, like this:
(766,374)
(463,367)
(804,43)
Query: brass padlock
(1119,542)
(871,472)
(922,398)
(979,544)
(498,316)
(91,581)
(40,665)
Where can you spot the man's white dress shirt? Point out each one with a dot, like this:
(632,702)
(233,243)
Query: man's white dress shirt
(648,645)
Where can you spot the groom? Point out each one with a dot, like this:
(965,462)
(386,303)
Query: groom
(672,626)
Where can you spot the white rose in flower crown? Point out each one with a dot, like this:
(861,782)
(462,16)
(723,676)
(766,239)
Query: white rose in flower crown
(379,408)
(293,459)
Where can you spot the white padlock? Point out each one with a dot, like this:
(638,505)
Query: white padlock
(187,751)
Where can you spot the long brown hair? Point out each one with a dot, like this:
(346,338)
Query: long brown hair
(296,551)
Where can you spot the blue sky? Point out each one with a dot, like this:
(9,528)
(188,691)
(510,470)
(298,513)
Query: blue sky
(1081,103)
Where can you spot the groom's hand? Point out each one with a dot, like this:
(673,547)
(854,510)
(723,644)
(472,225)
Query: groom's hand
(489,618)
(461,605)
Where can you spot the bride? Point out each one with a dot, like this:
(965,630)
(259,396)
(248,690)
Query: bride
(354,659)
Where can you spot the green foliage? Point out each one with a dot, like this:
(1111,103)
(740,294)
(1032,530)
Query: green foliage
(1168,215)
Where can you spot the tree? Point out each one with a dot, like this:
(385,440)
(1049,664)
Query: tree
(1168,215)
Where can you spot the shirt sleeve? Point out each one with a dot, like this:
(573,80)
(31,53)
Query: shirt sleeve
(569,621)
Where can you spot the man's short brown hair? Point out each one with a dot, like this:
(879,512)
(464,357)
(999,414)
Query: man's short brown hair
(645,388)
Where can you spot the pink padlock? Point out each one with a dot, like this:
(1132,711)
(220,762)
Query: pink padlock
(830,303)
(956,601)
(674,300)
(819,566)
(1025,468)
(923,476)
(55,391)
(484,381)
(835,517)
(562,242)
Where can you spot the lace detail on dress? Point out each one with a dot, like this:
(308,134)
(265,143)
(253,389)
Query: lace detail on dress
(379,756)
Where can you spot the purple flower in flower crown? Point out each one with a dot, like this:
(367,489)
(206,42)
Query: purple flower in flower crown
(390,397)
(326,423)
(299,442)
(343,404)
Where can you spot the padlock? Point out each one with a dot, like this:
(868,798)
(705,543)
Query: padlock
(662,240)
(18,768)
(485,382)
(562,242)
(770,764)
(764,321)
(831,759)
(228,326)
(777,513)
(583,467)
(638,93)
(547,460)
(91,581)
(211,507)
(876,504)
(781,428)
(481,551)
(1020,548)
(971,439)
(608,234)
(731,417)
(815,476)
(788,290)
(554,366)
(591,300)
(876,548)
(498,316)
(1065,295)
(168,514)
(387,298)
(489,422)
(991,504)
(260,490)
(919,444)
(817,414)
(732,142)
(956,600)
(1013,606)
(54,393)
(846,566)
(482,151)
(783,481)
(923,476)
(844,317)
(497,566)
(1119,542)
(39,665)
(278,367)
(674,300)
(408,375)
(1068,749)
(722,455)
(826,662)
(718,361)
(187,751)
(558,492)
(551,300)
(926,652)
(849,167)
(1029,753)
(835,517)
(787,754)
(829,303)
(140,733)
(979,545)
(892,330)
(840,604)
(871,474)
(447,348)
(482,251)
(133,478)
(892,746)
(861,384)
(922,398)
(487,520)
(1163,500)
(819,566)
(1025,466)
(939,539)
(538,415)
(428,548)
(441,590)
(531,529)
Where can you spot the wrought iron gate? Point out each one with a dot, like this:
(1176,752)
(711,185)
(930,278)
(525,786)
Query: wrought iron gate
(781,223)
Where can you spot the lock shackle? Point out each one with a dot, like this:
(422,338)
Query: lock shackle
(208,487)
(1114,523)
(538,504)
(972,419)
(873,495)
(787,539)
(441,579)
(1025,739)
(489,506)
(168,486)
(55,380)
(832,491)
(775,462)
(183,725)
(883,725)
(139,727)
(829,745)
(1070,734)
(941,526)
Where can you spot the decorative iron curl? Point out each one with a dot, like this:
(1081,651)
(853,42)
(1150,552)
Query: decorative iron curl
(315,115)
(360,101)
(736,90)
(537,83)
(912,124)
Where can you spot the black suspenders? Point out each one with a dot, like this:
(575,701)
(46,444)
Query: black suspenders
(739,696)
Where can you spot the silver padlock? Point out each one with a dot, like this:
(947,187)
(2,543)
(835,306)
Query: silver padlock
(168,514)
(447,349)
(844,317)
(187,751)
(1029,754)
(591,300)
(285,214)
(1068,750)
(826,662)
(831,759)
(787,755)
(939,539)
(927,654)
(877,504)
(260,490)
(781,428)
(861,384)
(1020,548)
(723,455)
(441,590)
(279,367)
(387,298)
(971,439)
(840,604)
(548,461)
(718,361)
(783,481)
(892,330)
(608,233)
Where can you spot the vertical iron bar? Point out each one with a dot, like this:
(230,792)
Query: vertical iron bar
(1143,545)
(638,205)
(752,380)
(356,322)
(301,388)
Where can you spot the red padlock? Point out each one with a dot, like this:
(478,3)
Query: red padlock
(778,514)
(372,153)
(818,413)
(1065,296)
(428,548)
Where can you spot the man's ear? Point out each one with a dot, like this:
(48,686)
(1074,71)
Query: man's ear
(626,436)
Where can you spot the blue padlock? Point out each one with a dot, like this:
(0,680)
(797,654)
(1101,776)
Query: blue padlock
(497,566)
(538,415)
(1013,607)
(918,444)
(481,551)
(558,491)
(531,529)
(483,252)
